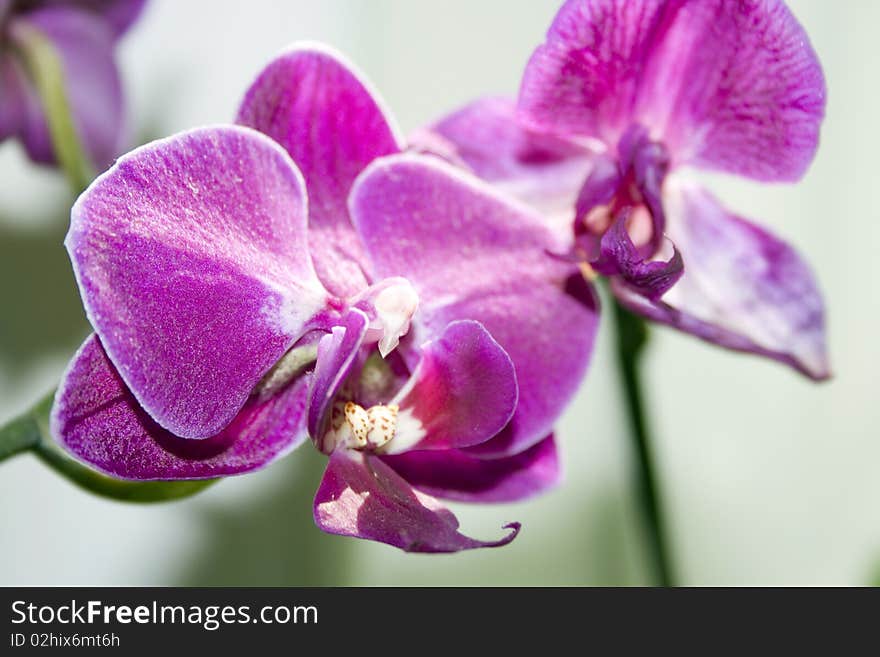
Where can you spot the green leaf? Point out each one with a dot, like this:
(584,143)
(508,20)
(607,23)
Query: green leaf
(30,431)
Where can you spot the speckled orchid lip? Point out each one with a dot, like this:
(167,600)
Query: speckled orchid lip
(238,277)
(629,94)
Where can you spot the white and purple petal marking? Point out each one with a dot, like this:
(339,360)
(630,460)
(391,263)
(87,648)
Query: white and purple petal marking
(191,256)
(742,288)
(361,496)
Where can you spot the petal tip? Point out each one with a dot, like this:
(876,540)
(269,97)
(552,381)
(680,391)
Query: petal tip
(514,527)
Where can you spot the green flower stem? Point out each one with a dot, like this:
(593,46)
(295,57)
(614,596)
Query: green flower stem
(632,336)
(20,435)
(47,72)
(30,432)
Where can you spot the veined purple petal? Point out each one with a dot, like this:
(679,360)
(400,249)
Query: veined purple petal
(360,496)
(462,392)
(742,287)
(733,86)
(424,219)
(457,475)
(98,420)
(84,45)
(585,79)
(319,108)
(191,257)
(337,352)
(542,170)
(736,86)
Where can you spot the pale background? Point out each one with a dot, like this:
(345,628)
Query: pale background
(769,479)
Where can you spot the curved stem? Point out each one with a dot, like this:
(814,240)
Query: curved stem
(30,432)
(47,72)
(632,335)
(20,435)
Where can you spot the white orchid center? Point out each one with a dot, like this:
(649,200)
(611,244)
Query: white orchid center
(395,306)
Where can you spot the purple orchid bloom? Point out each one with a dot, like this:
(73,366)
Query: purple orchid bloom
(623,94)
(248,293)
(84,34)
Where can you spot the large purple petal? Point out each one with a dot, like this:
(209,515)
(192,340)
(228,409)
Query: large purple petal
(742,288)
(318,107)
(542,170)
(462,392)
(728,85)
(424,219)
(457,475)
(84,44)
(337,352)
(98,420)
(191,257)
(360,496)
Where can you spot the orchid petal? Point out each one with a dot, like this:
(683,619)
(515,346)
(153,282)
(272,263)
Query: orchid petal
(319,108)
(337,352)
(457,475)
(584,80)
(118,14)
(733,86)
(360,496)
(742,288)
(736,87)
(191,257)
(421,218)
(539,169)
(98,420)
(462,392)
(84,44)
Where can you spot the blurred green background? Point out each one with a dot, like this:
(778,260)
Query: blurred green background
(768,479)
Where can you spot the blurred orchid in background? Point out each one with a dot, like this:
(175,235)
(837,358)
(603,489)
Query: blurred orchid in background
(620,97)
(246,297)
(61,52)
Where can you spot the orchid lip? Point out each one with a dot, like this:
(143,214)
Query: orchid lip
(359,421)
